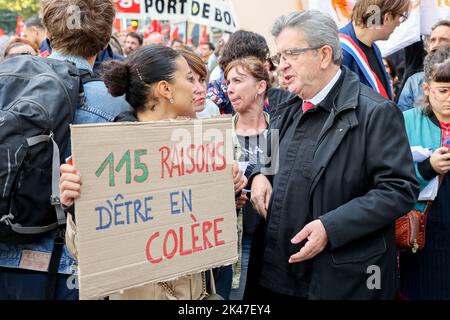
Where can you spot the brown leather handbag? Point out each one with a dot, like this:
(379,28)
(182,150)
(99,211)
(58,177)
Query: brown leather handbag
(410,229)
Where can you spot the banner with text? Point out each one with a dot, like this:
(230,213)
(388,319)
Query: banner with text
(213,13)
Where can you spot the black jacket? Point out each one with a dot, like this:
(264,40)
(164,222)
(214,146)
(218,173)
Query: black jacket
(103,56)
(126,116)
(363,179)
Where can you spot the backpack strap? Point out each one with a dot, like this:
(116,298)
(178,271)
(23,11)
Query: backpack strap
(58,244)
(87,76)
(53,266)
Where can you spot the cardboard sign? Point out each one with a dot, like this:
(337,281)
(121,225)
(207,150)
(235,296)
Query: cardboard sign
(157,202)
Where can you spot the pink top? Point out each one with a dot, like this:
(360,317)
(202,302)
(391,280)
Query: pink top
(445,127)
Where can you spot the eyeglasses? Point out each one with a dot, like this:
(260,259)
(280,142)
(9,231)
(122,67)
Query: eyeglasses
(403,17)
(289,54)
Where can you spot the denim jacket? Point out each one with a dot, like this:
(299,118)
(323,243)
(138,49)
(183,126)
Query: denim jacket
(99,106)
(412,92)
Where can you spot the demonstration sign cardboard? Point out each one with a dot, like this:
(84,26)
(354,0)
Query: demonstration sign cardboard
(157,202)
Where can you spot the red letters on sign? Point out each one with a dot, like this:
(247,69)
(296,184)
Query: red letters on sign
(147,249)
(174,241)
(192,159)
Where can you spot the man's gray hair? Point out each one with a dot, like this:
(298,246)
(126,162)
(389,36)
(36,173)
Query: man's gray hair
(319,29)
(441,23)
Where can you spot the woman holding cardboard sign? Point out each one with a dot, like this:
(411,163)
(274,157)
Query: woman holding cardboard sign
(159,85)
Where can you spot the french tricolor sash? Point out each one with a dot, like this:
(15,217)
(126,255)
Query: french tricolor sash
(355,51)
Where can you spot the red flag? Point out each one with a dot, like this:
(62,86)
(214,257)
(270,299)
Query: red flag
(130,6)
(175,34)
(118,25)
(157,27)
(204,38)
(154,26)
(19,25)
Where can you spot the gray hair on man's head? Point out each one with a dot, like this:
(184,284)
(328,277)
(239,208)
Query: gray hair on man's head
(441,23)
(319,29)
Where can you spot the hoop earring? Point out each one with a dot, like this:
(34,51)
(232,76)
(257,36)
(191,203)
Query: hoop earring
(257,99)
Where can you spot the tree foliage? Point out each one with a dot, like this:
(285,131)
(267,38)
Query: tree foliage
(25,8)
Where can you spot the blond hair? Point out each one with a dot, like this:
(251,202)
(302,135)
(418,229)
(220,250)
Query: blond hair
(365,9)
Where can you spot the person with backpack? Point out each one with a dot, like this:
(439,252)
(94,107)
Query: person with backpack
(35,113)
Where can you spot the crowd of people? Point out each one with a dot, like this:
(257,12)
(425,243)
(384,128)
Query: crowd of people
(325,126)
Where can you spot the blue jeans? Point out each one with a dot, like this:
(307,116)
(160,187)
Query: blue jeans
(20,284)
(223,277)
(238,294)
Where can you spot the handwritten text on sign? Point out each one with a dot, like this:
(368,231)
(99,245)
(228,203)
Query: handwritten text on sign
(153,207)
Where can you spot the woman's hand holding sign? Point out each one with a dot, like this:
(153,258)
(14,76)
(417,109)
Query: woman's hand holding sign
(70,184)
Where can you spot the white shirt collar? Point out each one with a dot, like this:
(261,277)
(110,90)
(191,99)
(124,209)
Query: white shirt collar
(318,98)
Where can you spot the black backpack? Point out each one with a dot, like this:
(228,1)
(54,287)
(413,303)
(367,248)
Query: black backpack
(38,99)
